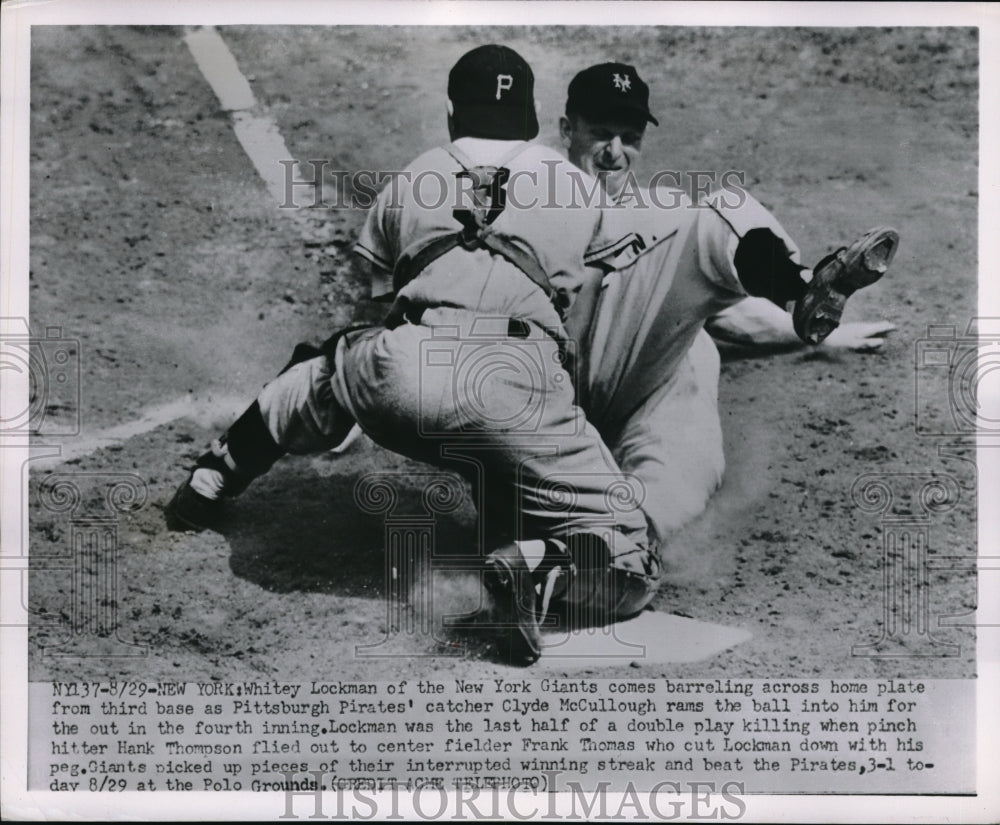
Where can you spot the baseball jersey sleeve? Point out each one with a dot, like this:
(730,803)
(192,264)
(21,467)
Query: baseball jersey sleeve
(721,226)
(378,242)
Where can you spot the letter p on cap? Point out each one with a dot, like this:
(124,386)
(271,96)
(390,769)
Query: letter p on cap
(504,82)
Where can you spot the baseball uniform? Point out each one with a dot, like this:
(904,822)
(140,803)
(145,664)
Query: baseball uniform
(449,384)
(651,385)
(651,378)
(469,371)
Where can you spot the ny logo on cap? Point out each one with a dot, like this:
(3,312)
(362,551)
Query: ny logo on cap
(622,82)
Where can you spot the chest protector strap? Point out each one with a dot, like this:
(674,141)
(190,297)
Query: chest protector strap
(489,201)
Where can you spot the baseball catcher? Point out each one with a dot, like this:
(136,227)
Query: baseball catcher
(469,278)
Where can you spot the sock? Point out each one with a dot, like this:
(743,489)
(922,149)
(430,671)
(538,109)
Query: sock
(251,447)
(208,483)
(766,269)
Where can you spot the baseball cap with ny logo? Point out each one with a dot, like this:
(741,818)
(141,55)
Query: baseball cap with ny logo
(492,89)
(609,90)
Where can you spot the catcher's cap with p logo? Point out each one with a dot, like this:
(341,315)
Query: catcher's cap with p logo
(492,90)
(609,90)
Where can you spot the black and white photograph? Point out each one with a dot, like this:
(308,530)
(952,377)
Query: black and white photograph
(530,410)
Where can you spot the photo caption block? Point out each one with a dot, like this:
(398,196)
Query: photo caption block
(818,736)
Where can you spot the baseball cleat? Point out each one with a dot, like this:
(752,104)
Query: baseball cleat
(512,589)
(191,511)
(837,277)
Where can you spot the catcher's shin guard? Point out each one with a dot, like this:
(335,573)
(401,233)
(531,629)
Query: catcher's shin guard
(244,452)
(817,313)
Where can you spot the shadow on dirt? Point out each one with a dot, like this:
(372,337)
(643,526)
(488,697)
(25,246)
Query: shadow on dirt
(298,529)
(736,353)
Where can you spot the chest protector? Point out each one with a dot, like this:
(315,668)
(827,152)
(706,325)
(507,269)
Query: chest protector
(489,199)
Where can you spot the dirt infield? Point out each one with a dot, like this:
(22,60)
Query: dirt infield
(156,246)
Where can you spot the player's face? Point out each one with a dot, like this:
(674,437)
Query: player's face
(606,148)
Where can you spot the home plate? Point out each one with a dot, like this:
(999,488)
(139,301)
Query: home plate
(649,638)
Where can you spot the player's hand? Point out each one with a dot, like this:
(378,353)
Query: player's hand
(860,336)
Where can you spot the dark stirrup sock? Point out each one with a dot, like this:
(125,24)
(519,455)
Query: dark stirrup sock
(250,444)
(766,270)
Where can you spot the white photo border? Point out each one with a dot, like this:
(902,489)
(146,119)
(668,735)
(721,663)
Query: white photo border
(17,21)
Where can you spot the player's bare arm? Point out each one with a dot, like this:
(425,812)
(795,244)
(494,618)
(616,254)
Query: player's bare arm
(756,322)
